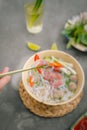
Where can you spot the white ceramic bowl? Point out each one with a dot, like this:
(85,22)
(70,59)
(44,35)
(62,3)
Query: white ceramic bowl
(65,57)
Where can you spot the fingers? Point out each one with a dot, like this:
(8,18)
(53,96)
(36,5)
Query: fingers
(6,79)
(6,69)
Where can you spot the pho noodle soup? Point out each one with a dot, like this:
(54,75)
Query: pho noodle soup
(52,79)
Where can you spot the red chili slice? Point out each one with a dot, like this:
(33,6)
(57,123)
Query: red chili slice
(36,57)
(39,70)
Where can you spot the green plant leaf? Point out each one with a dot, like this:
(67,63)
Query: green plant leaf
(84,38)
(37,5)
(78,39)
(69,31)
(35,13)
(33,18)
(71,41)
(75,33)
(66,33)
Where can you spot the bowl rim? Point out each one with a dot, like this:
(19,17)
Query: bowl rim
(59,103)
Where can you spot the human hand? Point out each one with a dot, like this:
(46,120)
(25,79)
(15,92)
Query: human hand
(4,80)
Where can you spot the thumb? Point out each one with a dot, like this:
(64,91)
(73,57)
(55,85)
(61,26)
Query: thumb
(6,79)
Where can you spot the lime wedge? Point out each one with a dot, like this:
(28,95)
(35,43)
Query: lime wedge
(54,46)
(33,46)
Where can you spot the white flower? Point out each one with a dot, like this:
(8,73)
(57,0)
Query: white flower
(73,21)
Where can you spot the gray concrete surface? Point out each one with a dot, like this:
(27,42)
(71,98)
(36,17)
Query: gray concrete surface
(14,53)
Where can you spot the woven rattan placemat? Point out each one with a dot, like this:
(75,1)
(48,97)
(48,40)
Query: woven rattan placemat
(44,110)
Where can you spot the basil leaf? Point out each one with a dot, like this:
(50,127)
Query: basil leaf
(75,33)
(71,41)
(84,38)
(67,33)
(78,39)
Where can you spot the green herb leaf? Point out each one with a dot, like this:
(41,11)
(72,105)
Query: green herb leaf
(78,40)
(69,31)
(84,38)
(75,33)
(71,41)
